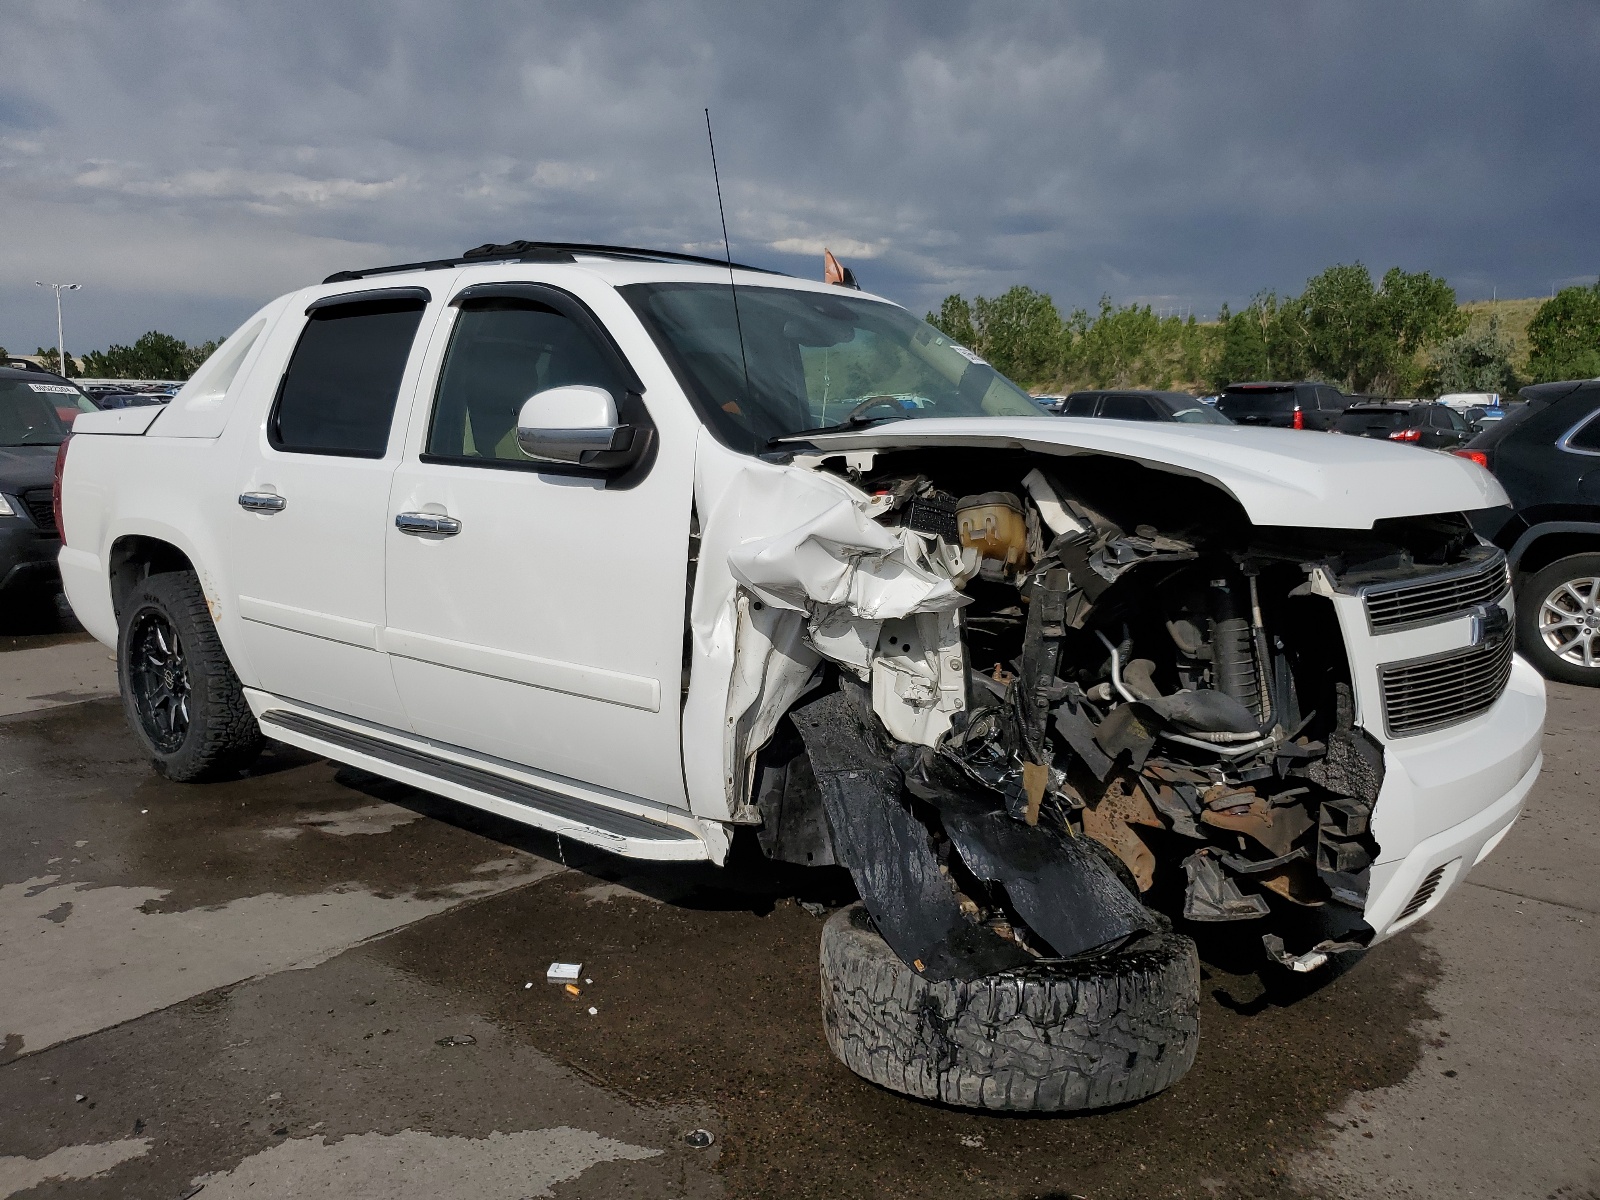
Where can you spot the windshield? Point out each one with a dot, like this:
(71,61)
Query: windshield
(814,359)
(1198,414)
(39,414)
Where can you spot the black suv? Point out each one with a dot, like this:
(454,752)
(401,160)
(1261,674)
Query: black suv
(36,413)
(1431,426)
(1284,405)
(1546,454)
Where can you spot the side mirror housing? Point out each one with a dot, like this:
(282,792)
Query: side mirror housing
(577,425)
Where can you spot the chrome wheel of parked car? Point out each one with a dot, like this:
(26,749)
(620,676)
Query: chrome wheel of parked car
(1558,619)
(1569,621)
(159,676)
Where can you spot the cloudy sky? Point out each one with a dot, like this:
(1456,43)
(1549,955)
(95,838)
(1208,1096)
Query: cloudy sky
(186,161)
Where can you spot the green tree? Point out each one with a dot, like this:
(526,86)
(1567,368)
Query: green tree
(155,355)
(1372,338)
(955,320)
(1564,336)
(1476,362)
(51,357)
(1020,334)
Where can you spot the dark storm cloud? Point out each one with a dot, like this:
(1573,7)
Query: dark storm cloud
(188,160)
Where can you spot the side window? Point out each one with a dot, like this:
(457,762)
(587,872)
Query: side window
(501,352)
(1328,400)
(338,394)
(1587,438)
(1081,404)
(1127,408)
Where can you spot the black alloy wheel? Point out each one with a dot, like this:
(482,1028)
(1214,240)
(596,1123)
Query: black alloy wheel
(182,697)
(158,678)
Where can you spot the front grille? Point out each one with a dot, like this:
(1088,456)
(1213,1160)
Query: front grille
(1438,597)
(1422,694)
(1423,894)
(41,507)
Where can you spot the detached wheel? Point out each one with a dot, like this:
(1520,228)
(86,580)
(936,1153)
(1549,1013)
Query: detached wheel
(181,695)
(1059,1038)
(1558,619)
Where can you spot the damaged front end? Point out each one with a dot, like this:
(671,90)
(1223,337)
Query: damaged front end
(1028,700)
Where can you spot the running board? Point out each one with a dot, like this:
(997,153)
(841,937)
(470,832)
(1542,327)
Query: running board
(626,833)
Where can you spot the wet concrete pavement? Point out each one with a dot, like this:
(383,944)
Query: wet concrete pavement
(311,982)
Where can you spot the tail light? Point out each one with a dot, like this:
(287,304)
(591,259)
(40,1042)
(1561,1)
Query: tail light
(55,487)
(1299,418)
(1477,456)
(1406,435)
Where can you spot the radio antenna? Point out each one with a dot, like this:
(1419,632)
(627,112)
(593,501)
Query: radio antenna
(727,254)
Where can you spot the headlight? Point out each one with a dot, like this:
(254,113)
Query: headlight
(5,508)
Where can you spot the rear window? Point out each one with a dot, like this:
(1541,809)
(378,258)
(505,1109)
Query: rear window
(39,413)
(338,395)
(1373,422)
(1250,402)
(1081,404)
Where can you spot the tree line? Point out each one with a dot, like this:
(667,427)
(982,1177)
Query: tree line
(1403,335)
(155,355)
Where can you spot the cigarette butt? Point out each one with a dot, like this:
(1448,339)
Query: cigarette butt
(572,989)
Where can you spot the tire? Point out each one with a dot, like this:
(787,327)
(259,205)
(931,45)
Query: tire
(1567,591)
(184,702)
(1057,1038)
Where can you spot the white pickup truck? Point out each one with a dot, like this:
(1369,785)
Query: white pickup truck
(655,553)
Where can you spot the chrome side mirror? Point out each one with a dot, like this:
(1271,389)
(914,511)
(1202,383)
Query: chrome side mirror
(573,424)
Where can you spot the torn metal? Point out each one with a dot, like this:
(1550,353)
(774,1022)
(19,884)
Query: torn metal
(1039,697)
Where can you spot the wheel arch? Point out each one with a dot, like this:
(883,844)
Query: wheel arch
(1551,541)
(134,557)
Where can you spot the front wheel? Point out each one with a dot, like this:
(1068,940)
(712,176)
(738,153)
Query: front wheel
(1558,619)
(1057,1037)
(180,693)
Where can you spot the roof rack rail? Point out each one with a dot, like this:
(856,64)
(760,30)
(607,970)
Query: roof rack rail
(524,251)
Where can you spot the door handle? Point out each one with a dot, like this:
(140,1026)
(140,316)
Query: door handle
(262,502)
(420,523)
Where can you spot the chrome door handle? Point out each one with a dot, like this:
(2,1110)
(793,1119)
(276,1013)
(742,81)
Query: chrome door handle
(419,523)
(262,502)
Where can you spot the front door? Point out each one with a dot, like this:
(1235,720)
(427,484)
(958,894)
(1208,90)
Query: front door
(307,534)
(544,624)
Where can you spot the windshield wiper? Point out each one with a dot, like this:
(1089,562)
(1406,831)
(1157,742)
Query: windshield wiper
(856,422)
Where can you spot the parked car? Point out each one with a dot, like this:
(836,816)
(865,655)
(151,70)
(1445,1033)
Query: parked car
(1462,401)
(585,537)
(1283,405)
(1546,454)
(1135,405)
(37,410)
(1432,426)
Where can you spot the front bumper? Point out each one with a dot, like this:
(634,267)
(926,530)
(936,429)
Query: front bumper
(1448,799)
(27,558)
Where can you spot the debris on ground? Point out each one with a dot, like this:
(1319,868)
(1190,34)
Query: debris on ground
(457,1039)
(816,910)
(699,1138)
(561,972)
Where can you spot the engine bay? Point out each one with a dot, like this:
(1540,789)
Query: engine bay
(1134,676)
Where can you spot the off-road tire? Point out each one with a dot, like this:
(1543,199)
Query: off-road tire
(1531,596)
(1059,1038)
(222,737)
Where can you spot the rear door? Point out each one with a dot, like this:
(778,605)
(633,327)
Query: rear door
(547,628)
(1125,406)
(307,533)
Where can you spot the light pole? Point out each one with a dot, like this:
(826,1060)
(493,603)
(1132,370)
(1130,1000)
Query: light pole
(61,340)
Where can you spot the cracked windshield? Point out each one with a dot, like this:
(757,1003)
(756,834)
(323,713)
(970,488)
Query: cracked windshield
(814,361)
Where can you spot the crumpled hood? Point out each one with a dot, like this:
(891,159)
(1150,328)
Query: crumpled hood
(1279,476)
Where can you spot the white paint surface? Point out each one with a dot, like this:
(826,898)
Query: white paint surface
(413,1165)
(19,1174)
(107,961)
(50,676)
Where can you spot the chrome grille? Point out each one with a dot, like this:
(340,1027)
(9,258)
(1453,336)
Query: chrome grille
(1422,694)
(41,507)
(1437,597)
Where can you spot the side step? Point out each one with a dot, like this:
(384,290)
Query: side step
(620,832)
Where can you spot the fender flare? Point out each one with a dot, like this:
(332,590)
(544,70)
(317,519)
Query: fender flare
(1545,529)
